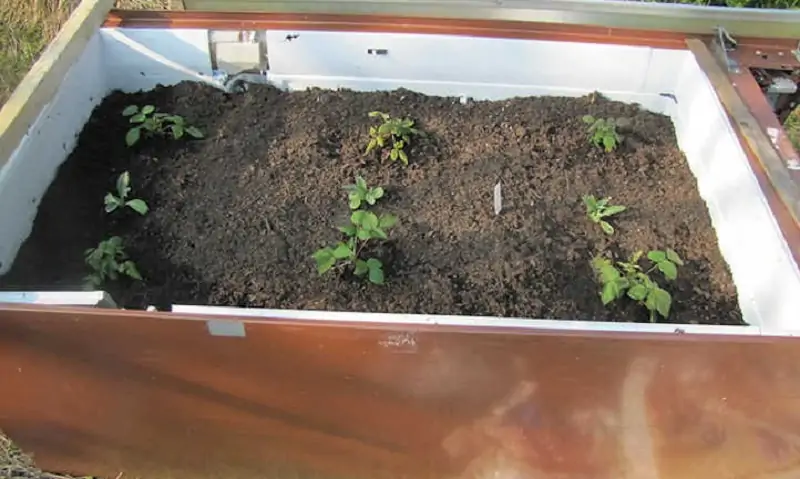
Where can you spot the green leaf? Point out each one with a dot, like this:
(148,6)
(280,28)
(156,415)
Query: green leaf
(111,202)
(342,251)
(325,260)
(609,143)
(588,119)
(380,141)
(384,129)
(357,218)
(656,256)
(364,235)
(375,271)
(361,267)
(361,183)
(147,109)
(177,131)
(132,136)
(608,273)
(379,233)
(377,192)
(129,269)
(650,301)
(387,221)
(369,221)
(194,132)
(393,155)
(673,256)
(668,268)
(138,206)
(348,230)
(371,145)
(607,228)
(123,182)
(662,301)
(130,110)
(637,292)
(178,120)
(590,201)
(138,118)
(369,198)
(610,292)
(374,114)
(613,210)
(373,131)
(403,157)
(355,200)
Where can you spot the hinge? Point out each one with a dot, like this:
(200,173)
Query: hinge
(233,51)
(721,44)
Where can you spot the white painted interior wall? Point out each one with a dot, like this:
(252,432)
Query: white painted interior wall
(134,59)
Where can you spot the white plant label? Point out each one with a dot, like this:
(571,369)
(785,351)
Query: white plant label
(498,199)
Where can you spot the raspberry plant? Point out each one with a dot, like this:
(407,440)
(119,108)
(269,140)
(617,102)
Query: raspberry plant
(598,209)
(108,261)
(364,226)
(629,278)
(394,132)
(360,193)
(154,123)
(120,200)
(603,132)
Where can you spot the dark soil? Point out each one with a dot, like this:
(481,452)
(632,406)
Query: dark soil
(235,217)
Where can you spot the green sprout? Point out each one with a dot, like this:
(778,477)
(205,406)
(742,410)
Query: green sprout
(360,193)
(364,226)
(146,119)
(603,132)
(394,132)
(628,278)
(597,209)
(120,200)
(108,261)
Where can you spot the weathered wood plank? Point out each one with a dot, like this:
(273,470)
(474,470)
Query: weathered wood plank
(39,86)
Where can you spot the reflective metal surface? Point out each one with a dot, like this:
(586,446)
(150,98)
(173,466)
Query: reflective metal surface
(99,392)
(618,14)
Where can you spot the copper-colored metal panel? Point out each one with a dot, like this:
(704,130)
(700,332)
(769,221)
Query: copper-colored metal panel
(103,392)
(375,23)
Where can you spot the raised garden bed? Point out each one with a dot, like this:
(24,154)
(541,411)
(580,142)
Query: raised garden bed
(234,218)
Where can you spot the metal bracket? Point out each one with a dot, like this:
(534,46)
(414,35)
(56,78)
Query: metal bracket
(233,51)
(796,51)
(723,43)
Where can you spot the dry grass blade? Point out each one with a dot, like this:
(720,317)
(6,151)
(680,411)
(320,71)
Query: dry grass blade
(14,464)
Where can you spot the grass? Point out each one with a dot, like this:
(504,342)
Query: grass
(27,26)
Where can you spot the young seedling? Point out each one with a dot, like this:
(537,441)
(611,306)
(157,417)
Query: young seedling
(597,209)
(394,132)
(603,132)
(152,123)
(364,226)
(108,261)
(120,200)
(628,278)
(360,193)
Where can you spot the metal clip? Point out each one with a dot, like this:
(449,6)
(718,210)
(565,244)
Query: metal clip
(723,43)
